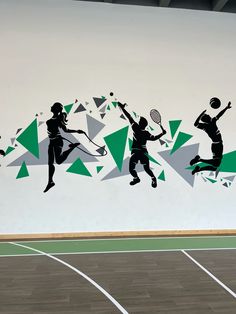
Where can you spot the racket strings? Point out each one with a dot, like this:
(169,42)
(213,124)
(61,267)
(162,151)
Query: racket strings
(155,115)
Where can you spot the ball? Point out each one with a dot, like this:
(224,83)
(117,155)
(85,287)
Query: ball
(111,94)
(215,103)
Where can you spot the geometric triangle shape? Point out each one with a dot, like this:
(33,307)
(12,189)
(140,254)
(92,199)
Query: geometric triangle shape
(162,142)
(41,122)
(12,140)
(122,117)
(99,101)
(116,143)
(102,115)
(115,172)
(43,159)
(211,180)
(29,139)
(68,108)
(225,184)
(23,172)
(174,125)
(230,178)
(211,174)
(99,168)
(162,176)
(18,130)
(168,141)
(180,161)
(228,163)
(181,139)
(78,167)
(152,159)
(103,109)
(108,107)
(114,103)
(80,108)
(9,150)
(101,150)
(94,126)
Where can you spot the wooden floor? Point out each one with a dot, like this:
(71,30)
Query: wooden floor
(144,282)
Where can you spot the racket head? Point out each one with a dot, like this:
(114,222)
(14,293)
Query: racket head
(155,116)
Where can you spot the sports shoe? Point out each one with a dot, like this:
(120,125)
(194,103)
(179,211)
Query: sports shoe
(154,182)
(135,181)
(195,160)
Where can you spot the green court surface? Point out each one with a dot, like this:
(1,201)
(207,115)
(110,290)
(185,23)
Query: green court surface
(119,245)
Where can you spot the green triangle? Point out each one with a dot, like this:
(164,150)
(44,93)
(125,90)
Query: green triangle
(162,176)
(151,128)
(103,97)
(116,143)
(174,125)
(152,159)
(68,108)
(211,180)
(29,138)
(114,103)
(108,107)
(130,144)
(135,114)
(181,139)
(9,150)
(166,145)
(23,172)
(99,168)
(78,167)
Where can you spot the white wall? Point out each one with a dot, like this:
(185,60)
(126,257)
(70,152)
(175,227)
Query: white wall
(175,60)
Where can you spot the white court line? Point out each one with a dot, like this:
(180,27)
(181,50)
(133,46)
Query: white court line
(115,252)
(210,274)
(122,310)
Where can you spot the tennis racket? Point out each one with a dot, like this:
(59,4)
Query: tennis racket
(155,116)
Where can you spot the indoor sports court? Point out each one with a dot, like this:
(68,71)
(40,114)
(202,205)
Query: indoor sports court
(117,157)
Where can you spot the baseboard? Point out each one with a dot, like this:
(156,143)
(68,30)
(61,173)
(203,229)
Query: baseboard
(117,234)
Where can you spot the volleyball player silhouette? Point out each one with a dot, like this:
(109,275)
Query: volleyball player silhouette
(57,122)
(139,150)
(208,124)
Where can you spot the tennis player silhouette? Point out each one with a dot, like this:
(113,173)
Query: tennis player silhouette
(57,122)
(208,124)
(139,150)
(2,151)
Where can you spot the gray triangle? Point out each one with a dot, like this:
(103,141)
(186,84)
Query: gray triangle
(99,101)
(205,180)
(102,115)
(180,160)
(230,178)
(43,148)
(12,140)
(217,172)
(168,141)
(103,109)
(86,103)
(94,126)
(40,123)
(225,184)
(211,174)
(80,108)
(123,117)
(115,173)
(162,142)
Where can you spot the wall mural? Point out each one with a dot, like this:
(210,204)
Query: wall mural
(62,146)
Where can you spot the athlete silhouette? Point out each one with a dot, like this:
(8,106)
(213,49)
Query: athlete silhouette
(208,124)
(57,122)
(2,151)
(139,150)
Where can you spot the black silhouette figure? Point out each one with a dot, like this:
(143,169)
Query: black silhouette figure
(57,122)
(139,150)
(2,151)
(208,124)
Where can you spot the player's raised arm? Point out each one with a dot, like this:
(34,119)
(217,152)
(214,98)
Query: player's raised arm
(220,114)
(128,116)
(156,137)
(197,122)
